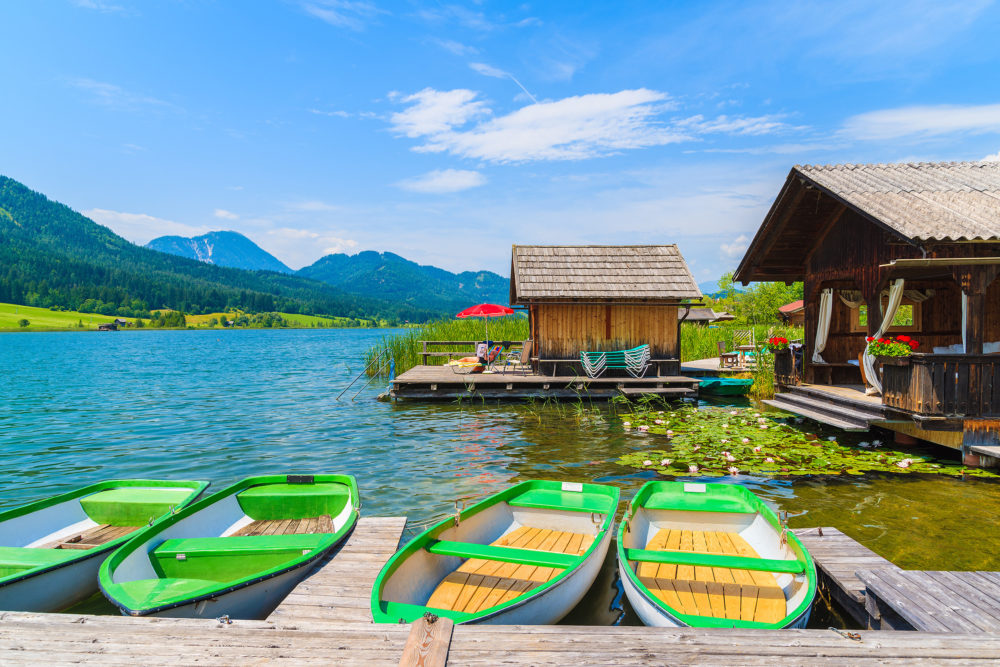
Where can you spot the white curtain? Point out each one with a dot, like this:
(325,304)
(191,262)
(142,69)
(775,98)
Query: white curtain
(965,336)
(895,297)
(851,298)
(823,326)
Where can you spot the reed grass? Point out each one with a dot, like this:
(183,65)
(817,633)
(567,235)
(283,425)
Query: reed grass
(405,347)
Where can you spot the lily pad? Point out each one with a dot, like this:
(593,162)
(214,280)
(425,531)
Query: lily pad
(720,441)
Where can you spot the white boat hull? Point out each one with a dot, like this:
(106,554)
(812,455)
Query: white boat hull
(653,615)
(54,590)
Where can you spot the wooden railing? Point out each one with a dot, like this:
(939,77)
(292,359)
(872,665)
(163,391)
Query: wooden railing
(944,385)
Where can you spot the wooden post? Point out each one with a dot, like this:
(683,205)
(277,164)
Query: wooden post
(974,280)
(427,645)
(425,352)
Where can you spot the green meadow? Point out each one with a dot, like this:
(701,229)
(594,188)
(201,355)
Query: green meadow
(43,319)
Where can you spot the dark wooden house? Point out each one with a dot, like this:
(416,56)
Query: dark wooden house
(851,233)
(793,313)
(602,298)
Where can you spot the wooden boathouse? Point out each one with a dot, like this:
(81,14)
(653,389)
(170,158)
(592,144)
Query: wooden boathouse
(602,298)
(583,299)
(886,249)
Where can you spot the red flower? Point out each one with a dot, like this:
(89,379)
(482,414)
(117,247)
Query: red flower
(882,341)
(914,344)
(870,338)
(903,339)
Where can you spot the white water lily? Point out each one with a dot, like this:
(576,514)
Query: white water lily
(768,460)
(756,449)
(643,428)
(905,463)
(876,443)
(723,441)
(763,427)
(832,438)
(692,468)
(746,441)
(626,424)
(657,421)
(696,448)
(733,470)
(666,462)
(756,414)
(669,432)
(647,462)
(730,458)
(734,412)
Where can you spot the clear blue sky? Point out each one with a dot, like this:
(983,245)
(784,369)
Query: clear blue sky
(447,132)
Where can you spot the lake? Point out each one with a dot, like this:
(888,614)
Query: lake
(221,405)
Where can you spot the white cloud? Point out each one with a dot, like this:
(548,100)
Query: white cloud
(225,215)
(572,128)
(98,5)
(457,48)
(442,181)
(737,248)
(116,97)
(489,70)
(992,158)
(141,228)
(496,73)
(299,247)
(342,13)
(738,125)
(336,114)
(434,112)
(312,206)
(923,122)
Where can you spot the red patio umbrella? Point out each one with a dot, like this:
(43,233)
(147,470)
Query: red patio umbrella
(485,311)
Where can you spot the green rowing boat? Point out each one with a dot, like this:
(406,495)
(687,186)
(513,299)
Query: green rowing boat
(238,552)
(50,549)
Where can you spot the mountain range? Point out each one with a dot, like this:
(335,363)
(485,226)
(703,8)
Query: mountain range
(51,256)
(230,249)
(385,276)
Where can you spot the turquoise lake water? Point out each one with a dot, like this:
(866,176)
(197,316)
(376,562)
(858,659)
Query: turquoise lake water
(222,405)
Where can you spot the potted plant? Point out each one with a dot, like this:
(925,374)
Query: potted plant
(776,344)
(892,351)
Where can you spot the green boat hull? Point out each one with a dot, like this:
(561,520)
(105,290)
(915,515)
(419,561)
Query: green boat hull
(725,386)
(237,552)
(50,549)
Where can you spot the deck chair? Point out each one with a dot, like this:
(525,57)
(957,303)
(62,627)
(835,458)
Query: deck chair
(519,358)
(743,342)
(727,359)
(467,365)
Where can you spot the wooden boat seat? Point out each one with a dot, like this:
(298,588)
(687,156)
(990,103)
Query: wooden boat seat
(480,584)
(720,592)
(92,537)
(316,524)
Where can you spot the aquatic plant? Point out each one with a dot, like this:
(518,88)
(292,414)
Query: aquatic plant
(405,347)
(715,441)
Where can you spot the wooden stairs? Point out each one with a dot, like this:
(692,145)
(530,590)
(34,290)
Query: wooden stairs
(829,408)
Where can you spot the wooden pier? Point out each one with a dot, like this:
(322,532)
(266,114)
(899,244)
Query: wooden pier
(327,620)
(442,383)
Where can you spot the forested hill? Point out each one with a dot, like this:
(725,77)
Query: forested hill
(51,255)
(230,249)
(389,276)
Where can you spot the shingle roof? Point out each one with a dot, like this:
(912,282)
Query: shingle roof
(931,201)
(598,273)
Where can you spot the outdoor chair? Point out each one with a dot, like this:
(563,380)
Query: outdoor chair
(467,365)
(743,342)
(519,359)
(635,362)
(727,359)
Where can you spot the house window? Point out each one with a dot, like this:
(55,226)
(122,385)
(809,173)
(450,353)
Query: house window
(907,318)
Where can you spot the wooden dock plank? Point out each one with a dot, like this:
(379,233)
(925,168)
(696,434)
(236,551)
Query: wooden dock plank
(339,587)
(61,639)
(837,557)
(935,601)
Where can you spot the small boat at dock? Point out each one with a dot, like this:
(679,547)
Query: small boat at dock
(718,386)
(51,549)
(712,556)
(525,555)
(238,552)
